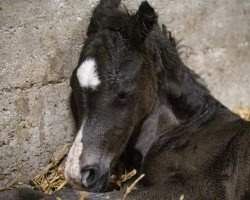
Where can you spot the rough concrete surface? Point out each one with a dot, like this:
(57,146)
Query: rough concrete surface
(40,43)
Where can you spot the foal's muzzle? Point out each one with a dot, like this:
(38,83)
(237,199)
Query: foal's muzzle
(93,179)
(89,177)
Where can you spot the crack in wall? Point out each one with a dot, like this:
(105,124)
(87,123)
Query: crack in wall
(36,85)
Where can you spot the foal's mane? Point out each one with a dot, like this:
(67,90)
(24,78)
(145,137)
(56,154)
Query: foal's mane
(169,50)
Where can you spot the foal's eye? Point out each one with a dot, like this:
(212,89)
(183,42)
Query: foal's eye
(123,96)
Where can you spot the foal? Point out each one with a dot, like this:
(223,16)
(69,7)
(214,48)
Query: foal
(141,103)
(134,100)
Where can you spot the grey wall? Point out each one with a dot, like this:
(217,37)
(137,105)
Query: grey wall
(40,43)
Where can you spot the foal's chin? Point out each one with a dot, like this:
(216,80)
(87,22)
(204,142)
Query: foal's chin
(101,185)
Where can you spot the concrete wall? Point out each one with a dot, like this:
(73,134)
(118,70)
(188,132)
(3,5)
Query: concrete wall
(40,43)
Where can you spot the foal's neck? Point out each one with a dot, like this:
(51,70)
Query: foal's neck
(183,102)
(160,120)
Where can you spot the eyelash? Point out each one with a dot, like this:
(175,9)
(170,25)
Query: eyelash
(122,97)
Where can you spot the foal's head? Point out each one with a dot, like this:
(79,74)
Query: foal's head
(114,87)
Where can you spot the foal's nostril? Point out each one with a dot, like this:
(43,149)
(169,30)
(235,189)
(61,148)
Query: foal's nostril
(89,178)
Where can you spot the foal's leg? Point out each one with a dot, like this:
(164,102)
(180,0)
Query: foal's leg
(21,194)
(161,192)
(139,194)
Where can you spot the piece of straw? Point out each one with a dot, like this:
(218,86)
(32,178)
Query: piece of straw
(182,197)
(129,189)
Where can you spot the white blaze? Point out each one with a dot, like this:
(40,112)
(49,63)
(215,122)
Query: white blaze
(88,77)
(72,165)
(87,74)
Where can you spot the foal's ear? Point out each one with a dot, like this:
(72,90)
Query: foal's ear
(142,22)
(110,3)
(102,17)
